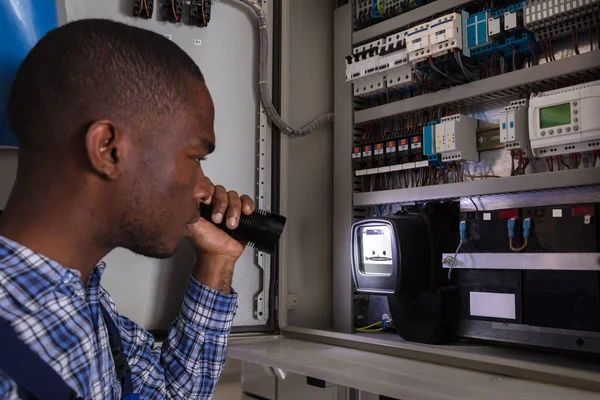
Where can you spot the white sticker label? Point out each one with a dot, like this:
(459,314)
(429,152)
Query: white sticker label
(403,147)
(487,216)
(198,42)
(416,145)
(169,36)
(557,213)
(494,305)
(416,45)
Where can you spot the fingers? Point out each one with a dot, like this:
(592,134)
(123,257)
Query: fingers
(220,199)
(247,204)
(234,210)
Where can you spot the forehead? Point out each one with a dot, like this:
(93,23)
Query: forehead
(197,118)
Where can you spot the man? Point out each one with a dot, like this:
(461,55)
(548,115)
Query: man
(113,123)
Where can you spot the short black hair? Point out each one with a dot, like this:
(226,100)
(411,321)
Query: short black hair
(95,69)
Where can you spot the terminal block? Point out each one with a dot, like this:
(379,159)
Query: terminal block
(143,8)
(200,11)
(171,10)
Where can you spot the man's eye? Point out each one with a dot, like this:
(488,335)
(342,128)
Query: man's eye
(199,159)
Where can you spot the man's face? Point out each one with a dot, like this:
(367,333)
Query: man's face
(169,181)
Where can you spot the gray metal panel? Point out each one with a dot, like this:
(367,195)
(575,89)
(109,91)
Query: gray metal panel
(309,207)
(342,175)
(510,184)
(403,20)
(409,379)
(151,291)
(294,387)
(539,366)
(577,341)
(524,261)
(259,380)
(502,84)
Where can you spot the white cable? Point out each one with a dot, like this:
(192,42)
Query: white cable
(264,87)
(454,260)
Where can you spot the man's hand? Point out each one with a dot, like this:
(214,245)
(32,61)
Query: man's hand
(216,251)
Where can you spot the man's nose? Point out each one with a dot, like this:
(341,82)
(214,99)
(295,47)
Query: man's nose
(203,191)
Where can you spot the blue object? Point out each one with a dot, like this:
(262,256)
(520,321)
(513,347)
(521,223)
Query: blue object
(22,25)
(37,380)
(511,227)
(33,376)
(429,138)
(526,227)
(477,29)
(512,124)
(463,230)
(504,46)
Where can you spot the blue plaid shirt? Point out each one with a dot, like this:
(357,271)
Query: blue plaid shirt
(59,318)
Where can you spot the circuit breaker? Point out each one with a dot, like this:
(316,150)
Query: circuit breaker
(456,138)
(514,129)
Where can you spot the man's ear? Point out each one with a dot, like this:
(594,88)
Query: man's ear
(105,149)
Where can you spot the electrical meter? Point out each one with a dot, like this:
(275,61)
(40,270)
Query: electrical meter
(565,121)
(392,255)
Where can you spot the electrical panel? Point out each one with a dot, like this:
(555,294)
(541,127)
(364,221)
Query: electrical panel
(514,128)
(455,138)
(565,121)
(143,8)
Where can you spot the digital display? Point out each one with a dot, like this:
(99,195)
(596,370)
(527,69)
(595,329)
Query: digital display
(555,115)
(376,250)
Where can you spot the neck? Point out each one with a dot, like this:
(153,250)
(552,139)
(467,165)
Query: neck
(63,233)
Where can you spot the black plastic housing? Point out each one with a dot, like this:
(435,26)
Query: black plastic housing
(261,229)
(413,263)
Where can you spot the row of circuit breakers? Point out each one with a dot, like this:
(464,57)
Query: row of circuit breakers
(391,62)
(172,10)
(562,121)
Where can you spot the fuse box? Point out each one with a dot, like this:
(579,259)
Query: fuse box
(378,155)
(456,138)
(391,156)
(356,158)
(367,156)
(514,129)
(416,148)
(404,150)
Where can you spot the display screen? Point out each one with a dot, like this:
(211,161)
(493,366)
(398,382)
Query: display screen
(555,116)
(376,250)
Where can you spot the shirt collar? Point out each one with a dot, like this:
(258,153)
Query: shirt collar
(29,276)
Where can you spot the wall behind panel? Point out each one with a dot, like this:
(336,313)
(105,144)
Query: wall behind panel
(150,291)
(309,181)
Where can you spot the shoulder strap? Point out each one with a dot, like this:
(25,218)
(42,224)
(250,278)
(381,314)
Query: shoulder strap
(34,377)
(119,358)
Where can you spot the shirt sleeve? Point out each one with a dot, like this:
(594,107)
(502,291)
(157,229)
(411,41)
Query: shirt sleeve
(191,359)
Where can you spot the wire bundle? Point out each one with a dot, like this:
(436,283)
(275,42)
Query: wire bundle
(263,83)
